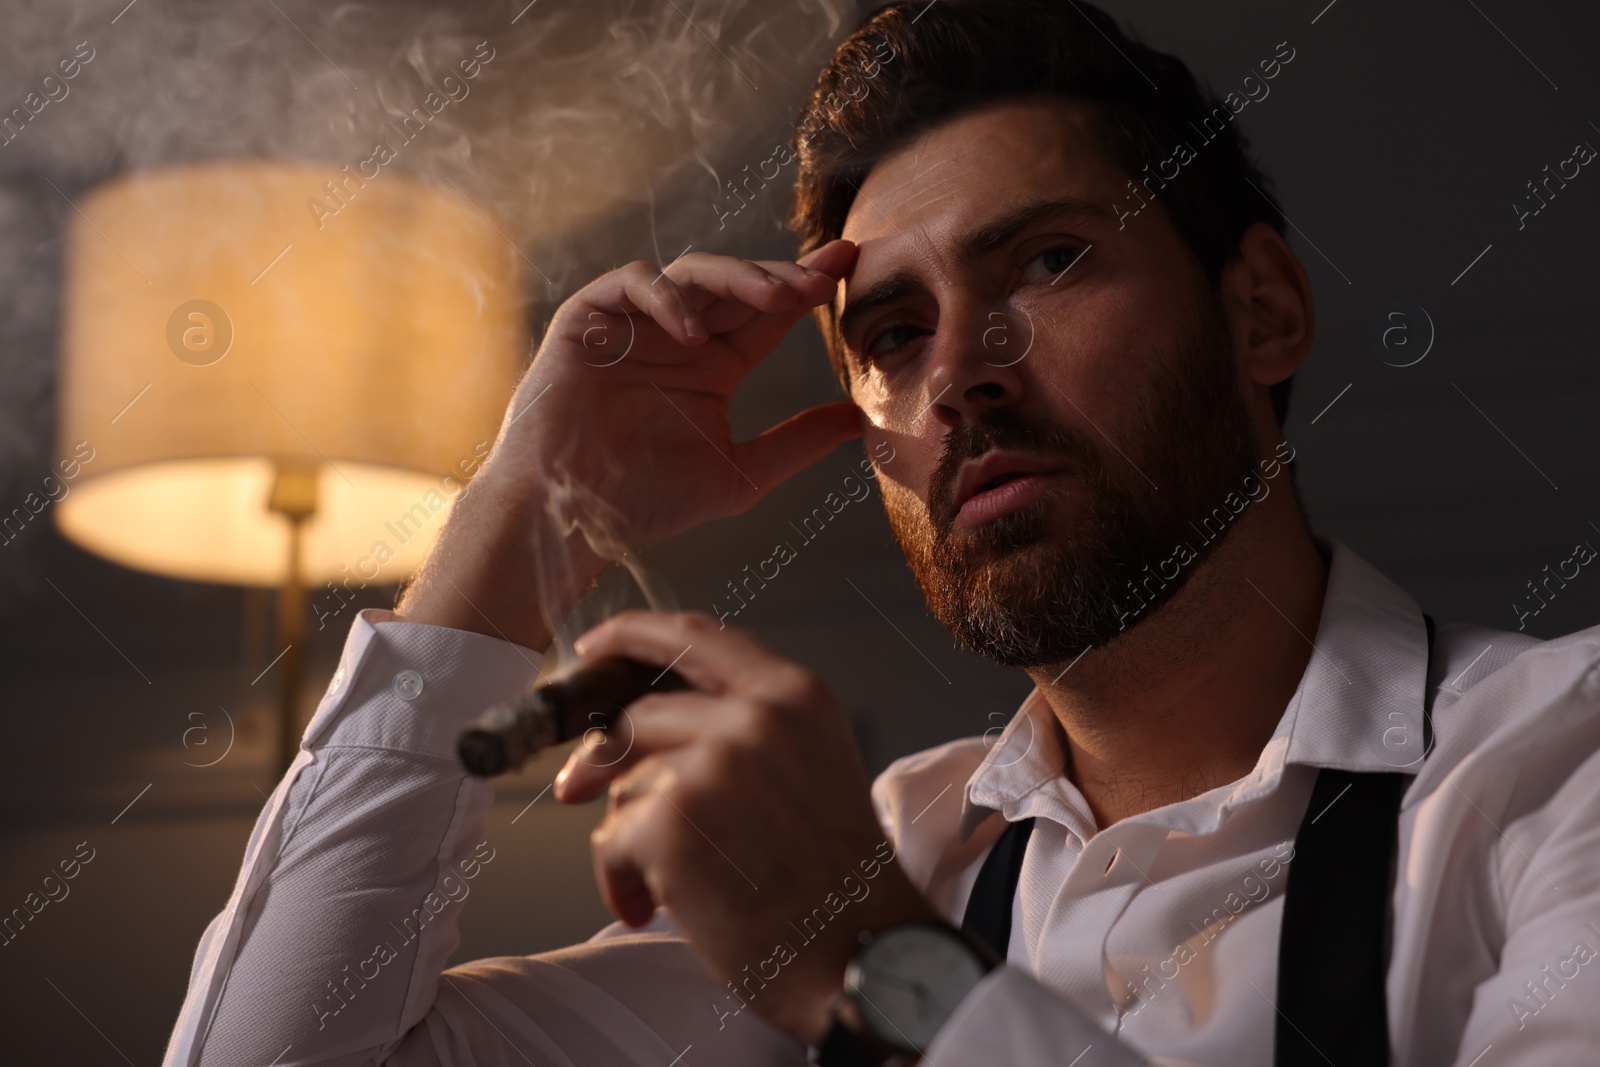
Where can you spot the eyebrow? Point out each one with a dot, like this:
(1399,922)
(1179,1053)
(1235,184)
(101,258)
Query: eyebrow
(975,244)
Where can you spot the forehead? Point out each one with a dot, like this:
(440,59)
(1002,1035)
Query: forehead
(973,167)
(918,202)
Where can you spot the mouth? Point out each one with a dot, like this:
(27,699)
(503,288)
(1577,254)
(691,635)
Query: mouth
(1001,483)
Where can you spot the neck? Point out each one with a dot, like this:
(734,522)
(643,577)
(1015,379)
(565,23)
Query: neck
(1186,699)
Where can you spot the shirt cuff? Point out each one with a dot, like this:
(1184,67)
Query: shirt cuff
(411,686)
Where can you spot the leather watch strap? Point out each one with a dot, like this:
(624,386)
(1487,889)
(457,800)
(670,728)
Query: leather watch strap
(843,1047)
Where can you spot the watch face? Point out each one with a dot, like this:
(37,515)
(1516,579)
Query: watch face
(909,980)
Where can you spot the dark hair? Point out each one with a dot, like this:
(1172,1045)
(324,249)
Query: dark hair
(911,66)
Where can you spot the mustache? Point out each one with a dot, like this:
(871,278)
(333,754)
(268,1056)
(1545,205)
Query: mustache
(1000,428)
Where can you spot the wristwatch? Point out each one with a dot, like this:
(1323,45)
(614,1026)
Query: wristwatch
(899,990)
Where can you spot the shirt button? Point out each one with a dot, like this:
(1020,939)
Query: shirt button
(408,685)
(337,681)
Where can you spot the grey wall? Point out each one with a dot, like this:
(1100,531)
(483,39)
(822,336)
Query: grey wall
(1399,138)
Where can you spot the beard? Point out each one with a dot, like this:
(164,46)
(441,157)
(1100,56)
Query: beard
(1023,592)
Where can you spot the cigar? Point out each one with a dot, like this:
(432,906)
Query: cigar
(594,696)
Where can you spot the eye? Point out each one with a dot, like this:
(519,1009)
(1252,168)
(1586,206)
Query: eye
(902,333)
(1050,264)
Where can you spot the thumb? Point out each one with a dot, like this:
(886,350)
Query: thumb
(796,443)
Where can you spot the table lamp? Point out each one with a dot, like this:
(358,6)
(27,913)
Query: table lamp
(285,371)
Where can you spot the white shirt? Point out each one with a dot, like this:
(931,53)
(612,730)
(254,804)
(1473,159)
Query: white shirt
(1153,941)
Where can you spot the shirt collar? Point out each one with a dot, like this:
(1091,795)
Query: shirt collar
(1358,707)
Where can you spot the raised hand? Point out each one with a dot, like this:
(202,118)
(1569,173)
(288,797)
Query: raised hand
(618,435)
(634,378)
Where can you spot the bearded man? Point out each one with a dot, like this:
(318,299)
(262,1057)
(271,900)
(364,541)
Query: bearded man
(1258,808)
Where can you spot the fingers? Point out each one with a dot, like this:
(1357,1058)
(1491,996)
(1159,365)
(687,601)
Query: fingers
(801,277)
(833,259)
(726,310)
(650,725)
(711,657)
(661,830)
(700,294)
(644,834)
(680,299)
(728,278)
(760,334)
(639,288)
(796,443)
(623,889)
(727,292)
(614,847)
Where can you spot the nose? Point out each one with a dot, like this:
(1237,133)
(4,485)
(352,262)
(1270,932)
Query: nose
(975,362)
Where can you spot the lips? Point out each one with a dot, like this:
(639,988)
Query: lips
(996,469)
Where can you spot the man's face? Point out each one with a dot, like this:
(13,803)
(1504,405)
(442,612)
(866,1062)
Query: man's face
(987,339)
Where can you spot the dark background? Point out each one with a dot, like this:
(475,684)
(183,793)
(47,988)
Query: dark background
(1399,138)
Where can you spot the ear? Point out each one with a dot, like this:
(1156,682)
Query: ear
(1268,300)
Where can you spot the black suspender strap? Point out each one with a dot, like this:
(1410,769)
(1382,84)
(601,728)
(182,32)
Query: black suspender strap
(1331,951)
(1333,945)
(988,914)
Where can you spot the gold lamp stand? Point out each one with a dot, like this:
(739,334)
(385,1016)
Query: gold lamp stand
(294,496)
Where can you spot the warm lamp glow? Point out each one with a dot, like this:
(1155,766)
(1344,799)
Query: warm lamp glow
(207,519)
(219,333)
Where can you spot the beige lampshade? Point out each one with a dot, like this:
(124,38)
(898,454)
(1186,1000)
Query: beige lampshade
(227,322)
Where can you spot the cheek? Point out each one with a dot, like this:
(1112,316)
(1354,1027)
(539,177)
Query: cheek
(906,512)
(902,452)
(895,421)
(1076,353)
(880,400)
(1101,344)
(904,486)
